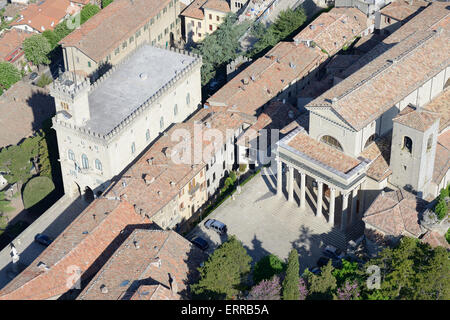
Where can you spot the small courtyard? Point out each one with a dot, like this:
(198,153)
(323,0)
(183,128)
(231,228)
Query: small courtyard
(269,225)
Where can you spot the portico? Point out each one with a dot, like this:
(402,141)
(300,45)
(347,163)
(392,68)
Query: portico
(321,176)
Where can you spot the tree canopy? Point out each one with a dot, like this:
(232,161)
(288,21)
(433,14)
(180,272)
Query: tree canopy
(291,281)
(37,48)
(8,75)
(223,272)
(267,267)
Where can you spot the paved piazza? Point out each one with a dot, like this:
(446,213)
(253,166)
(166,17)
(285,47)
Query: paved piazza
(267,224)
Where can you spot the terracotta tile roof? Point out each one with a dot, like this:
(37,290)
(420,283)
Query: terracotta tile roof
(402,9)
(194,10)
(97,39)
(45,15)
(271,74)
(331,30)
(435,239)
(442,157)
(11,44)
(12,9)
(441,105)
(323,153)
(156,178)
(418,119)
(431,18)
(379,152)
(152,261)
(87,242)
(365,95)
(218,5)
(395,213)
(277,115)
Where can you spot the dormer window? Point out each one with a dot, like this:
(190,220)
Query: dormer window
(407,144)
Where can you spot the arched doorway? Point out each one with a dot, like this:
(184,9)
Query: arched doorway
(88,194)
(172,40)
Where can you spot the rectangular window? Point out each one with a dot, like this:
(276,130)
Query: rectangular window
(172,25)
(217,18)
(170,4)
(210,16)
(158,16)
(177,21)
(116,52)
(89,64)
(210,27)
(146,26)
(153,42)
(152,21)
(199,34)
(131,39)
(165,10)
(138,33)
(64,105)
(124,45)
(166,30)
(199,24)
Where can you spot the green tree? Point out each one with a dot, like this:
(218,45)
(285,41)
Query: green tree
(348,272)
(52,38)
(291,281)
(8,75)
(37,49)
(224,271)
(62,30)
(105,3)
(441,209)
(88,11)
(267,267)
(322,286)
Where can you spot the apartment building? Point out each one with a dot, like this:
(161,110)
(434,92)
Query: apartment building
(116,31)
(201,18)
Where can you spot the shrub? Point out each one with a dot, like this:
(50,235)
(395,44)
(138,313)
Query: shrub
(44,80)
(233,176)
(441,209)
(267,267)
(266,290)
(242,167)
(36,189)
(447,236)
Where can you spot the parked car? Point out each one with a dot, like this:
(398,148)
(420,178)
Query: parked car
(33,76)
(315,270)
(333,252)
(200,243)
(43,239)
(216,225)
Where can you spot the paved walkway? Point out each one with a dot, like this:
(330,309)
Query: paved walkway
(52,223)
(267,224)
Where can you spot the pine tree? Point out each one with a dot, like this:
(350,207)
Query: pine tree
(322,286)
(223,272)
(291,281)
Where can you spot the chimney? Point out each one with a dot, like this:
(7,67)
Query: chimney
(148,179)
(174,286)
(136,244)
(150,161)
(103,289)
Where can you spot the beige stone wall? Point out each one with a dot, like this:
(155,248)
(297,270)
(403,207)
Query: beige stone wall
(116,154)
(190,198)
(158,30)
(197,29)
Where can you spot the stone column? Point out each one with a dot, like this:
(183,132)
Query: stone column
(319,198)
(279,177)
(344,211)
(332,202)
(303,191)
(290,182)
(354,203)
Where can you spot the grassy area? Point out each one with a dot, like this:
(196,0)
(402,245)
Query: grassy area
(36,190)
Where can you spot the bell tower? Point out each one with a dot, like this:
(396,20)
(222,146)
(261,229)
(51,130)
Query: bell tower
(71,98)
(413,149)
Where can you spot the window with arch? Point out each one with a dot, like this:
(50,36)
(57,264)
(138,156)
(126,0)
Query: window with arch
(133,147)
(332,142)
(407,144)
(147,134)
(161,123)
(98,165)
(85,161)
(370,140)
(188,98)
(71,155)
(175,110)
(430,142)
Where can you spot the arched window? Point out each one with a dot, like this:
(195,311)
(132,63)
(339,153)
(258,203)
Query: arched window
(370,140)
(71,155)
(84,161)
(188,98)
(147,134)
(161,123)
(407,144)
(98,165)
(133,147)
(175,110)
(332,142)
(430,142)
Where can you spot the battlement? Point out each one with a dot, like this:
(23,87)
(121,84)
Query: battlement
(68,86)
